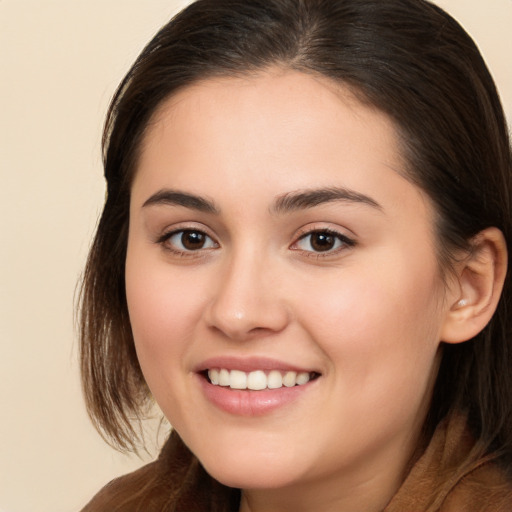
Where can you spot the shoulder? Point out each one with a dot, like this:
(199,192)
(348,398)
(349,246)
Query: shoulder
(450,476)
(485,488)
(135,491)
(175,482)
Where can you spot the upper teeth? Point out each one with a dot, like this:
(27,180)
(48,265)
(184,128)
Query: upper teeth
(257,380)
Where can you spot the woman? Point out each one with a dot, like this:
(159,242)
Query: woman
(303,259)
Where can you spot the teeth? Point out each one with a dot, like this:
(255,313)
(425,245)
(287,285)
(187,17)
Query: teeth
(257,380)
(289,379)
(274,380)
(302,378)
(214,377)
(224,378)
(238,379)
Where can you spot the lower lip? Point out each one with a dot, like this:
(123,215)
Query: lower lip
(252,403)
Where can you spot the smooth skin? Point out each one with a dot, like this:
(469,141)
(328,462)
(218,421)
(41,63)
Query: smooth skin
(234,252)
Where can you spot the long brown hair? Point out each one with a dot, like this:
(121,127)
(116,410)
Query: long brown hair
(407,58)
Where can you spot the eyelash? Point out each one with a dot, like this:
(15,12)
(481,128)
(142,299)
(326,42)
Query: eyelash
(164,241)
(342,240)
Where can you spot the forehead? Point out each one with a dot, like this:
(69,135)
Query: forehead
(276,95)
(288,102)
(279,130)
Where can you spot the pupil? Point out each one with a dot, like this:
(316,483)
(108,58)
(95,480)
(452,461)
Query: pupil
(192,240)
(322,241)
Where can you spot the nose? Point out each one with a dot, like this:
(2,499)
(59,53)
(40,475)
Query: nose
(248,300)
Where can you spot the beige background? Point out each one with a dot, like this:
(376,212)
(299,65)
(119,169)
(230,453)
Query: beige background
(60,61)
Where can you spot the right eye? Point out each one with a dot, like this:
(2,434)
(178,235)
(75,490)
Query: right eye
(187,240)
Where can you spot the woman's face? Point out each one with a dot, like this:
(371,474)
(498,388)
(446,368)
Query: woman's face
(272,232)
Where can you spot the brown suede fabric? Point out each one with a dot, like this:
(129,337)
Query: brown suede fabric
(446,478)
(175,482)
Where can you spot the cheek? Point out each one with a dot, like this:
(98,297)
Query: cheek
(380,328)
(164,309)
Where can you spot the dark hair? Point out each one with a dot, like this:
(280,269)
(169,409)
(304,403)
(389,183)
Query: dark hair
(407,58)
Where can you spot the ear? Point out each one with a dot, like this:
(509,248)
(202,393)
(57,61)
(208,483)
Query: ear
(479,282)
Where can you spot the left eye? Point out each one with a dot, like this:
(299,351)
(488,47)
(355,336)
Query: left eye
(190,240)
(322,241)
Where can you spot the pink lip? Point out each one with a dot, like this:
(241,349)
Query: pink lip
(248,402)
(251,403)
(249,364)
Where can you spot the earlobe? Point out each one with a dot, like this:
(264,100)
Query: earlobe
(480,279)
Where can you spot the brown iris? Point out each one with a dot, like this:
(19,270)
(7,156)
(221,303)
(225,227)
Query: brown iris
(193,240)
(322,241)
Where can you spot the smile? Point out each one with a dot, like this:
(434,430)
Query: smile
(257,380)
(254,386)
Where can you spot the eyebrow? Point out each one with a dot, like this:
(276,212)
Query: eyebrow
(178,198)
(304,199)
(289,202)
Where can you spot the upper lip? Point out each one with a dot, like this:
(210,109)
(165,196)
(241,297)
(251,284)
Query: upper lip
(249,364)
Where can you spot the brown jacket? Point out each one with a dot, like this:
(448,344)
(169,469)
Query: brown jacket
(446,478)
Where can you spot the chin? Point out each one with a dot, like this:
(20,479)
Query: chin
(249,479)
(251,472)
